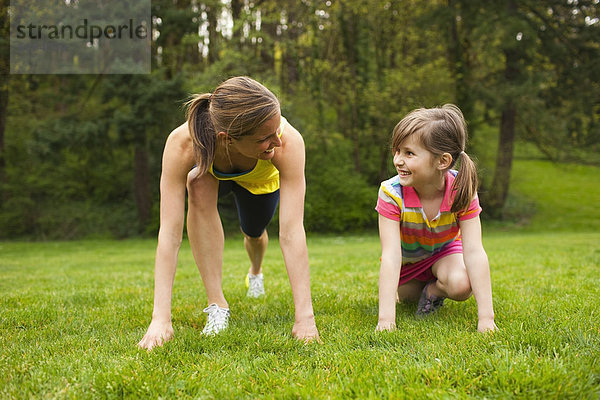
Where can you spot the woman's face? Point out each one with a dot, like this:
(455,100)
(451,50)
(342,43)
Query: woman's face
(262,142)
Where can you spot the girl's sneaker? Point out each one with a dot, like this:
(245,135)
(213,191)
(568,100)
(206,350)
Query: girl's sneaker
(255,285)
(216,320)
(428,303)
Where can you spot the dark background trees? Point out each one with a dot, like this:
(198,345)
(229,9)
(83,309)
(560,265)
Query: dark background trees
(80,154)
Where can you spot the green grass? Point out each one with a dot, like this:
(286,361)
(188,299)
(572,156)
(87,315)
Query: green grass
(72,312)
(553,197)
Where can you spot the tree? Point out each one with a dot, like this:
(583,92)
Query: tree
(4,82)
(144,112)
(547,52)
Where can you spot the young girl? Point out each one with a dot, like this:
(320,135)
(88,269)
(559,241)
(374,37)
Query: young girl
(429,220)
(235,140)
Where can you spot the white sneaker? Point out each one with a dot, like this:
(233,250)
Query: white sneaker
(217,319)
(255,285)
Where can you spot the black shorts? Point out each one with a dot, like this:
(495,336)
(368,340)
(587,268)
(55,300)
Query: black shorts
(255,211)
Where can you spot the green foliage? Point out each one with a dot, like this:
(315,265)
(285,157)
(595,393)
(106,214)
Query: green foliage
(71,175)
(72,313)
(338,199)
(82,153)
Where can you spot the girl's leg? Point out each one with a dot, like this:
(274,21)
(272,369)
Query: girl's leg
(452,279)
(205,233)
(411,290)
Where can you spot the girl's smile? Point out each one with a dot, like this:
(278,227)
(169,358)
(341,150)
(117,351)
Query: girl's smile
(415,164)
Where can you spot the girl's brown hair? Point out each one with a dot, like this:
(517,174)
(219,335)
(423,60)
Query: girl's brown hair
(443,130)
(237,106)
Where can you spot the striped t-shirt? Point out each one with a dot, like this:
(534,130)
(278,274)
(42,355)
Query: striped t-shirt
(420,237)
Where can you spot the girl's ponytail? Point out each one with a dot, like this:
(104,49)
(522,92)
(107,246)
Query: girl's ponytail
(465,183)
(443,130)
(202,130)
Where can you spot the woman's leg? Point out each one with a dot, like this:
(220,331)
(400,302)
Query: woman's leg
(256,248)
(452,278)
(205,233)
(255,212)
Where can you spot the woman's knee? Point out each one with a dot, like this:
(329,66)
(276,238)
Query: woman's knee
(202,190)
(256,239)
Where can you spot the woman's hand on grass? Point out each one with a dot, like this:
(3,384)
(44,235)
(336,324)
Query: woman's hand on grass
(486,325)
(385,326)
(158,333)
(306,331)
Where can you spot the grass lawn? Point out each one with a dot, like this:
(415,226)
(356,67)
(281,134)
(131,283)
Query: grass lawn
(555,197)
(72,312)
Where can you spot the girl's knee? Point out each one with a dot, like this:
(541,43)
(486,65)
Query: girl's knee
(458,285)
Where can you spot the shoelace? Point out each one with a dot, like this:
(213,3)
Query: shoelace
(255,284)
(216,320)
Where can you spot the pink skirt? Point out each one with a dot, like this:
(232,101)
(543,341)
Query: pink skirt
(421,270)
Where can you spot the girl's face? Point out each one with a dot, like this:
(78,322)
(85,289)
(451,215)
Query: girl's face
(415,164)
(262,143)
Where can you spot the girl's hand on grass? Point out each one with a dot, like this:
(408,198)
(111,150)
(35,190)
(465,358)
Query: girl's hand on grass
(158,333)
(306,331)
(385,326)
(486,325)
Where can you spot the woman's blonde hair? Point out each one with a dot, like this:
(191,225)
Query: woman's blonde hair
(237,106)
(443,130)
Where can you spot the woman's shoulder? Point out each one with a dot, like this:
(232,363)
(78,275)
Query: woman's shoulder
(179,145)
(180,134)
(291,139)
(288,129)
(180,138)
(290,157)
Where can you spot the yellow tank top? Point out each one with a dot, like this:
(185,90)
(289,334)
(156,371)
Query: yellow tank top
(262,179)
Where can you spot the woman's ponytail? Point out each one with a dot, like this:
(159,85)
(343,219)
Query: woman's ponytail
(202,130)
(237,107)
(465,184)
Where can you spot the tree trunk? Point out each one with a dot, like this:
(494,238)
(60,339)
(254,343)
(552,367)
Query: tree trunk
(459,61)
(268,34)
(142,186)
(349,25)
(4,79)
(500,184)
(236,13)
(213,36)
(498,192)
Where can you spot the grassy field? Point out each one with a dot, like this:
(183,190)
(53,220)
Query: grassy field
(555,197)
(71,314)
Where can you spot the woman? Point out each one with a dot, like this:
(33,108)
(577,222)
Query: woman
(235,139)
